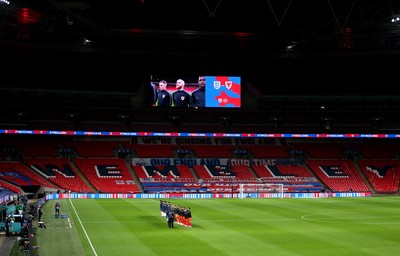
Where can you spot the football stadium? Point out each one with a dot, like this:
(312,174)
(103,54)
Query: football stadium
(202,127)
(224,226)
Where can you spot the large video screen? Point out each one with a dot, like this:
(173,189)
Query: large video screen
(196,92)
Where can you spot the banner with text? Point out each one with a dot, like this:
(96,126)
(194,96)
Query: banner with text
(212,161)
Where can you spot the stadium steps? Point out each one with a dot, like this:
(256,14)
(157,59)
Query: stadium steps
(83,177)
(194,173)
(6,244)
(128,162)
(363,176)
(315,175)
(12,187)
(255,174)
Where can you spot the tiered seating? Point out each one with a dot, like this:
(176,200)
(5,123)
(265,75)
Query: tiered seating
(166,173)
(338,175)
(243,174)
(223,179)
(377,150)
(59,171)
(270,171)
(214,173)
(7,189)
(211,151)
(176,178)
(93,148)
(236,173)
(294,170)
(296,178)
(185,172)
(108,175)
(150,150)
(262,171)
(35,148)
(322,150)
(384,175)
(141,173)
(267,151)
(20,175)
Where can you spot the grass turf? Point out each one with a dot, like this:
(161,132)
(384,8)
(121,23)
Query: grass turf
(326,226)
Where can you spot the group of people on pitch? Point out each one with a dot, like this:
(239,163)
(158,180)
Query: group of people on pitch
(176,214)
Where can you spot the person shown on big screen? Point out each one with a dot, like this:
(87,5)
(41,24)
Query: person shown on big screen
(180,97)
(199,95)
(164,98)
(152,94)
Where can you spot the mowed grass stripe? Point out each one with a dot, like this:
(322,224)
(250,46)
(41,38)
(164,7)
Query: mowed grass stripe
(231,228)
(349,217)
(287,227)
(274,233)
(58,236)
(347,225)
(106,222)
(291,235)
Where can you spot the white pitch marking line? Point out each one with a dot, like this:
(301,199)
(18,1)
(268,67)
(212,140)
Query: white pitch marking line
(83,228)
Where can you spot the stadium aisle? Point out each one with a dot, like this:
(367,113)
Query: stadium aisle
(6,244)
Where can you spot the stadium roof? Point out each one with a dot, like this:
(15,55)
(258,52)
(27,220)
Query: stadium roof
(266,27)
(89,56)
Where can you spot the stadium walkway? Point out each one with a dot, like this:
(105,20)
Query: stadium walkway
(6,244)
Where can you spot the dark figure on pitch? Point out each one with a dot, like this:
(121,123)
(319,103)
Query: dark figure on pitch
(57,209)
(40,213)
(170,216)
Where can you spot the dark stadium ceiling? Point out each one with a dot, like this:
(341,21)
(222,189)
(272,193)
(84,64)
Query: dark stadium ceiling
(264,26)
(236,37)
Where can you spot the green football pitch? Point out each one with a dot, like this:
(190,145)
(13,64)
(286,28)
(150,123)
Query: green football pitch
(324,226)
